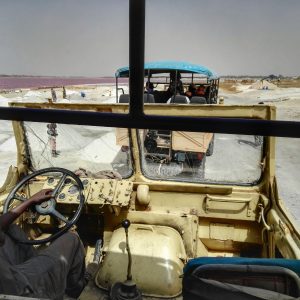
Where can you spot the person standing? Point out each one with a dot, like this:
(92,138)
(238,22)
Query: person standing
(176,85)
(64,93)
(53,94)
(52,134)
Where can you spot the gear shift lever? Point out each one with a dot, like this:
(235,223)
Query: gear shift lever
(125,225)
(127,289)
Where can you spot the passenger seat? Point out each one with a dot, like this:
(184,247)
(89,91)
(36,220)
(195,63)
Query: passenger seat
(178,99)
(148,98)
(124,98)
(198,100)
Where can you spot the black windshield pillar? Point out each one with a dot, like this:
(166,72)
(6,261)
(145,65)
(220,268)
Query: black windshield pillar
(136,57)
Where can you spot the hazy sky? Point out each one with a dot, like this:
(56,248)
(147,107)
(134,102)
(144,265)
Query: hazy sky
(90,37)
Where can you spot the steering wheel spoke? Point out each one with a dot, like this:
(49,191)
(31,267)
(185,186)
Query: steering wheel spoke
(20,198)
(59,185)
(59,216)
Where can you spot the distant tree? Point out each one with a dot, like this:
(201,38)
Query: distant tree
(272,77)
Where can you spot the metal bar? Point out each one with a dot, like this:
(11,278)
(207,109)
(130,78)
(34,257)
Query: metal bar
(216,125)
(117,98)
(136,56)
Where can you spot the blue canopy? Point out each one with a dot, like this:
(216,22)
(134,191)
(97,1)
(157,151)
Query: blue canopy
(166,66)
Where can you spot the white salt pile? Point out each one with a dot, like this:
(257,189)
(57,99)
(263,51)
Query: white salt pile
(101,150)
(263,85)
(33,94)
(68,138)
(3,101)
(9,145)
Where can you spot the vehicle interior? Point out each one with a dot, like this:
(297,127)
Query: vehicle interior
(179,222)
(162,75)
(153,230)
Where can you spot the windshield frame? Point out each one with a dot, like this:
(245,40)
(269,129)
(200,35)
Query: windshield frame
(258,112)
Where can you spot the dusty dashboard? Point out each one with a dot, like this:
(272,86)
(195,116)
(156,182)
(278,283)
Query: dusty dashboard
(110,192)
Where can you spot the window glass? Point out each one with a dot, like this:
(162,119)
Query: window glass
(288,173)
(8,149)
(76,147)
(201,157)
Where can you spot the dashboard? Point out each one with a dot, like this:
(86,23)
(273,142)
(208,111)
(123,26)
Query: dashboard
(96,191)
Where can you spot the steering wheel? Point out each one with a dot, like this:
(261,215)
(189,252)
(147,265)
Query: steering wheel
(48,207)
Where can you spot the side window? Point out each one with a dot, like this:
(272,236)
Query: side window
(8,149)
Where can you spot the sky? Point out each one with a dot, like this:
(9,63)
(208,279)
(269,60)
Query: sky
(90,37)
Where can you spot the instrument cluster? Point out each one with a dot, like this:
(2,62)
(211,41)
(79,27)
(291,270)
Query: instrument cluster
(96,191)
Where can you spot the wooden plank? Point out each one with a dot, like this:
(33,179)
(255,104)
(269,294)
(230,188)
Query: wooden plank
(191,141)
(122,137)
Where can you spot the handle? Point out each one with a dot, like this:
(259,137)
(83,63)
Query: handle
(209,200)
(145,227)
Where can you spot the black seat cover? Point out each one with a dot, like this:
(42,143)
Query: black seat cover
(148,98)
(179,99)
(226,281)
(198,100)
(124,98)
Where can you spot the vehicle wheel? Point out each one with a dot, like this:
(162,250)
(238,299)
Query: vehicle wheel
(210,149)
(199,168)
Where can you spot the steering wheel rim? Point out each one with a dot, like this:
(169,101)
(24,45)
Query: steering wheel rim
(57,189)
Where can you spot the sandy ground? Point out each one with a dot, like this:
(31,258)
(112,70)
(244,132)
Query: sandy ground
(287,101)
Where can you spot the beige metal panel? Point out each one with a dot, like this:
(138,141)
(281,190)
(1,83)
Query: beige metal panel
(224,239)
(235,206)
(158,257)
(244,232)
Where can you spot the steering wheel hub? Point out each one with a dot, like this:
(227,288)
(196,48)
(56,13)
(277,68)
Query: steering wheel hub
(46,207)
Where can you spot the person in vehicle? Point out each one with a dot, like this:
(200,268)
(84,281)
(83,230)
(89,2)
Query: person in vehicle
(176,86)
(200,92)
(149,87)
(49,273)
(191,91)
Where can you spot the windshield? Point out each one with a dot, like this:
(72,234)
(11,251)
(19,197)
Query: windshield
(76,147)
(201,157)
